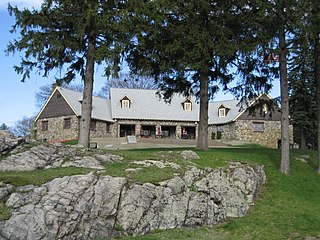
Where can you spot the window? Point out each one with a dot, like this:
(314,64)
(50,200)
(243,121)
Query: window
(67,123)
(107,127)
(93,126)
(258,126)
(187,106)
(59,95)
(45,126)
(265,108)
(222,112)
(125,102)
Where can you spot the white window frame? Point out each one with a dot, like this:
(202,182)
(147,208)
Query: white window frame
(125,103)
(187,106)
(221,112)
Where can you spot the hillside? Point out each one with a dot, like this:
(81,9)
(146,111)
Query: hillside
(287,208)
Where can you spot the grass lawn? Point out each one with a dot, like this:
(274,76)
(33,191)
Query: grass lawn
(288,206)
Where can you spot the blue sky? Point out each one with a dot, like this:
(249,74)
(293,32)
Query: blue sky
(17,99)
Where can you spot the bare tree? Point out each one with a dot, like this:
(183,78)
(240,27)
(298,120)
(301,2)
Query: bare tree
(23,127)
(45,91)
(127,81)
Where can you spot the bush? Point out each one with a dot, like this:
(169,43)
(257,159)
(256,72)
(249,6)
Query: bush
(213,135)
(219,135)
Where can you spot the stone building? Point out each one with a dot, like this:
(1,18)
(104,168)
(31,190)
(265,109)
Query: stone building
(143,113)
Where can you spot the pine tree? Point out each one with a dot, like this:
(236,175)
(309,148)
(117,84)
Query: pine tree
(302,91)
(71,36)
(189,47)
(4,127)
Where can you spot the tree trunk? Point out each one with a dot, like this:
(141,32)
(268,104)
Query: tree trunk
(86,108)
(202,142)
(303,143)
(317,80)
(285,131)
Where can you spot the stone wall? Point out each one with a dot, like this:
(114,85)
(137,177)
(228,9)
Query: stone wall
(56,131)
(268,137)
(103,130)
(227,131)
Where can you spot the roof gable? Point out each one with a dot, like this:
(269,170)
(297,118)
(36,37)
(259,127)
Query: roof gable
(246,113)
(101,109)
(56,106)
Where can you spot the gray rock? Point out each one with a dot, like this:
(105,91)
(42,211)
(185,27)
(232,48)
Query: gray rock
(158,164)
(86,162)
(5,190)
(8,142)
(53,156)
(90,206)
(108,158)
(73,207)
(189,155)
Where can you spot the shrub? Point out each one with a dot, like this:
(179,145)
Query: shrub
(219,135)
(213,135)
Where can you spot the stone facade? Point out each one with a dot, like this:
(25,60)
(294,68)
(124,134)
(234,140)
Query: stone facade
(56,130)
(268,135)
(103,130)
(227,131)
(59,119)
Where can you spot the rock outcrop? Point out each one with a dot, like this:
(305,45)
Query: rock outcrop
(8,142)
(51,156)
(90,206)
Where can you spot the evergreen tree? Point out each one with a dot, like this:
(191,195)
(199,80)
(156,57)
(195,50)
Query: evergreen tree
(4,127)
(189,47)
(71,36)
(302,92)
(279,21)
(308,41)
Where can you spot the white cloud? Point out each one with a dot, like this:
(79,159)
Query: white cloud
(21,3)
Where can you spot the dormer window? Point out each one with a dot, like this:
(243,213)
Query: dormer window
(187,106)
(125,102)
(222,111)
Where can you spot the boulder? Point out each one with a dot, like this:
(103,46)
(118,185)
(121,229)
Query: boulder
(189,155)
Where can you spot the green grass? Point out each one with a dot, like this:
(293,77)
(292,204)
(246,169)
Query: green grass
(71,142)
(4,212)
(146,174)
(288,207)
(39,177)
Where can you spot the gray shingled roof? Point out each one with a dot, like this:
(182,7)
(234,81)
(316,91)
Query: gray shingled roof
(101,109)
(234,111)
(145,104)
